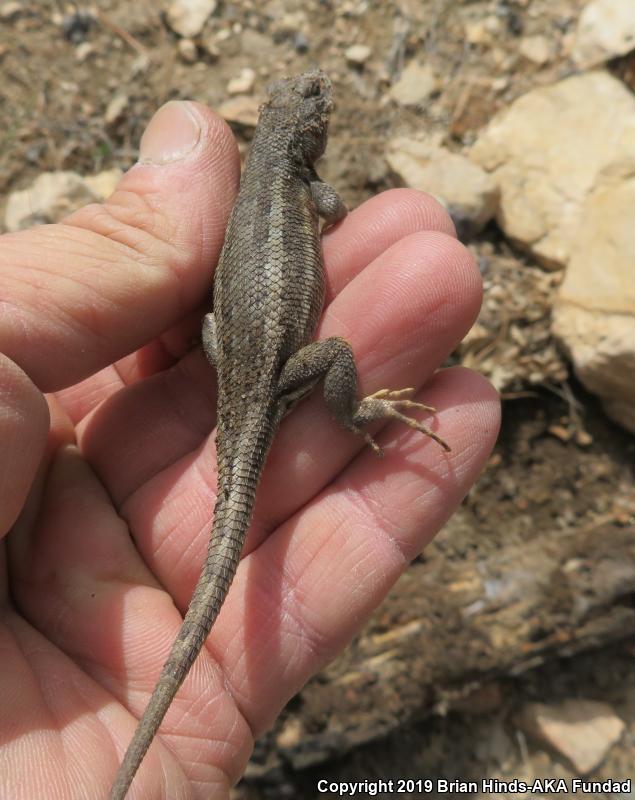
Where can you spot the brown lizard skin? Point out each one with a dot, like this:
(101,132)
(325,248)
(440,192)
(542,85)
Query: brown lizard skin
(268,297)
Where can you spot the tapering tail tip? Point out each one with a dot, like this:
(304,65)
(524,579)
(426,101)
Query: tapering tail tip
(163,694)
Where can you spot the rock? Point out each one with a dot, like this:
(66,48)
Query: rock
(467,191)
(211,47)
(476,32)
(187,51)
(542,164)
(301,42)
(416,84)
(482,30)
(242,110)
(584,439)
(50,197)
(140,65)
(253,41)
(500,84)
(583,731)
(188,17)
(594,314)
(53,195)
(242,83)
(606,29)
(536,49)
(115,108)
(76,26)
(104,183)
(291,734)
(11,10)
(83,51)
(357,54)
(288,24)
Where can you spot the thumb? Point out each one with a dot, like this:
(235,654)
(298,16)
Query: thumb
(80,294)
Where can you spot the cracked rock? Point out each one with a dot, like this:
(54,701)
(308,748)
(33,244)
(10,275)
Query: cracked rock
(545,152)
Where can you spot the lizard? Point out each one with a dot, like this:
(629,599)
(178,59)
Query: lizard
(268,296)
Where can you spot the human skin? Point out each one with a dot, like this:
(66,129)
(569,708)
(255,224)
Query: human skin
(107,469)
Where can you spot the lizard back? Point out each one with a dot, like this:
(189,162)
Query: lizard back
(268,295)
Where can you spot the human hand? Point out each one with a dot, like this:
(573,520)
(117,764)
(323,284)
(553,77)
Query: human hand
(113,493)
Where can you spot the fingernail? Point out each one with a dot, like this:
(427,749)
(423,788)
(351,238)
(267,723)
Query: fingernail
(172,133)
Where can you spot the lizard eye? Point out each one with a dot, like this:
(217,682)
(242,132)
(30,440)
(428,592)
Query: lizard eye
(314,90)
(311,88)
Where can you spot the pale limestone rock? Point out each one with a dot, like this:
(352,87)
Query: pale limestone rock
(116,108)
(594,315)
(49,198)
(242,110)
(54,195)
(466,190)
(545,152)
(476,32)
(188,17)
(140,65)
(211,47)
(416,84)
(483,30)
(288,23)
(84,51)
(536,49)
(357,54)
(606,29)
(11,10)
(242,83)
(103,184)
(291,734)
(583,731)
(188,51)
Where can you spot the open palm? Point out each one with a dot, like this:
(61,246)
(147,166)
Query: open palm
(113,491)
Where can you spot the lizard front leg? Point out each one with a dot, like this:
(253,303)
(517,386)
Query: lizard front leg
(328,203)
(332,359)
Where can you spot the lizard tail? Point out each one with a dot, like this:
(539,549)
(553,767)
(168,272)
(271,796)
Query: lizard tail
(232,515)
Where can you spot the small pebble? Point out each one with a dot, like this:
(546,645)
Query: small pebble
(83,51)
(211,48)
(187,51)
(242,110)
(583,439)
(140,65)
(76,27)
(560,432)
(300,42)
(357,54)
(536,49)
(242,83)
(115,108)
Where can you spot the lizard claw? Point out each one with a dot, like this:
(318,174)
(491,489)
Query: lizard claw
(386,404)
(400,397)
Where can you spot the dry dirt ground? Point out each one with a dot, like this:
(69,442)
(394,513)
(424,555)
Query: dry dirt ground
(559,466)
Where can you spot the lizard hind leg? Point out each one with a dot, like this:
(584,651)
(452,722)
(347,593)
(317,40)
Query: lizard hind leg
(332,359)
(385,404)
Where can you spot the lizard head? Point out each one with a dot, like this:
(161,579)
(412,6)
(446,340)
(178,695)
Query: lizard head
(304,103)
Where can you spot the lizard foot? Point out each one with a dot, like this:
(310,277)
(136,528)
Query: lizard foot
(386,404)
